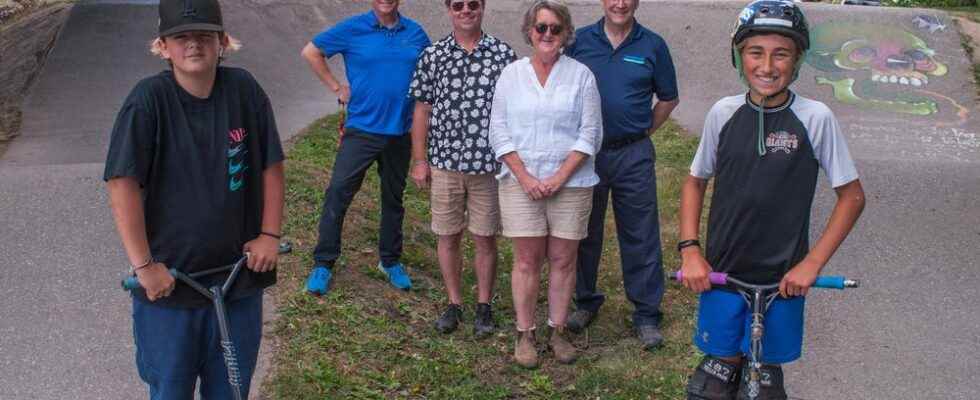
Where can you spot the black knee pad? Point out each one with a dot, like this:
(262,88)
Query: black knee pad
(713,379)
(770,383)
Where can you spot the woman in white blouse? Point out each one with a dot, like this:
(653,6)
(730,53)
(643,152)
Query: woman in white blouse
(545,126)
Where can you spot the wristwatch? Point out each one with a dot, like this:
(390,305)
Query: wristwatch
(687,243)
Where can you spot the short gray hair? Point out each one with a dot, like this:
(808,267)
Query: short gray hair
(560,9)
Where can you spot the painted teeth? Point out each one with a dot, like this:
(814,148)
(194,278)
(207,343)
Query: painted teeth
(901,80)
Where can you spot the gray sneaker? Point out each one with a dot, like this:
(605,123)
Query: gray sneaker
(579,320)
(650,336)
(483,325)
(450,319)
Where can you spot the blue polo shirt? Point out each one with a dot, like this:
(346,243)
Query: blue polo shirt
(627,76)
(379,62)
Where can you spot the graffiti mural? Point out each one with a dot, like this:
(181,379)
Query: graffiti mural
(930,23)
(877,67)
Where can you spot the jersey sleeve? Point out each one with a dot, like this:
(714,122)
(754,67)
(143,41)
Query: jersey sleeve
(269,142)
(422,86)
(131,144)
(664,75)
(590,127)
(334,40)
(703,165)
(500,134)
(830,149)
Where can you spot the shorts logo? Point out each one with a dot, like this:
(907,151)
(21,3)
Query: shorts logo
(782,141)
(718,370)
(236,159)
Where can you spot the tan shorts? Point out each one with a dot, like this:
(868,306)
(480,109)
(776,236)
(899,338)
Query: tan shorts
(564,215)
(464,201)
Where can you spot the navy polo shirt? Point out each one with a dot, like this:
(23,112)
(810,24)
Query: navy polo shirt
(627,76)
(379,62)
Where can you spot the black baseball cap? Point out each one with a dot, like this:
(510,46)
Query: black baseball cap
(189,15)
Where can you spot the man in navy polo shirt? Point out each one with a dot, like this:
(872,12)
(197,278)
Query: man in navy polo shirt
(631,65)
(380,48)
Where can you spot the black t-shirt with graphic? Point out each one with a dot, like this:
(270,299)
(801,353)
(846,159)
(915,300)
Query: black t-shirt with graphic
(200,163)
(759,222)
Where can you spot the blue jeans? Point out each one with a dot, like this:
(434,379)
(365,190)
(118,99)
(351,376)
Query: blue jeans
(177,346)
(629,174)
(357,152)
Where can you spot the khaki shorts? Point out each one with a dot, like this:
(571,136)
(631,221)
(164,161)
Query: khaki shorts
(464,201)
(564,215)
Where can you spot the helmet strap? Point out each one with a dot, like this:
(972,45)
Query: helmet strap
(762,120)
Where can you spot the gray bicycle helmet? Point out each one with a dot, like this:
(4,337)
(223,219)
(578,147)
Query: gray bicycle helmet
(771,16)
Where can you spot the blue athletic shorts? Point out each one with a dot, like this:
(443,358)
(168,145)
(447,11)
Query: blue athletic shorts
(177,346)
(724,319)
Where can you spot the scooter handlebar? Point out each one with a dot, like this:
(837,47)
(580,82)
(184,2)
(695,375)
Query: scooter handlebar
(825,281)
(716,278)
(131,283)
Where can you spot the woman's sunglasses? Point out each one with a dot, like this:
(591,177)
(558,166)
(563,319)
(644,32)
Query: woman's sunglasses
(555,29)
(472,5)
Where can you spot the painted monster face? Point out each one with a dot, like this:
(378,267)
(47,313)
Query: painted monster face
(900,59)
(875,66)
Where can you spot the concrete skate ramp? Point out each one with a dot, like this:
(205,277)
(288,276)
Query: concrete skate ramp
(102,53)
(910,333)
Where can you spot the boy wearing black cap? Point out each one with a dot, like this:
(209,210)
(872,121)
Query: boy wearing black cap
(195,178)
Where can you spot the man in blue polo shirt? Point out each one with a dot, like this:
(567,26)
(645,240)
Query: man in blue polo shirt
(631,65)
(380,48)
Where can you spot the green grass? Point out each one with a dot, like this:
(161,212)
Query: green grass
(368,341)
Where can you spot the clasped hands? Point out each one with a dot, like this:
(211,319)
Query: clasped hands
(537,189)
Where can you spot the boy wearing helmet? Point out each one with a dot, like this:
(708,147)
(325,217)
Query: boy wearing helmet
(764,150)
(195,178)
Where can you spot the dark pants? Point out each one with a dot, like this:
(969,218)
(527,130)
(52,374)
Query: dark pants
(177,346)
(629,173)
(357,152)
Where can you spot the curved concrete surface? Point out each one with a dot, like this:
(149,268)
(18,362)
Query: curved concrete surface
(910,333)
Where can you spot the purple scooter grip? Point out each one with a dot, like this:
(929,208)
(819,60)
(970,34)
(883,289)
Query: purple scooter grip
(716,278)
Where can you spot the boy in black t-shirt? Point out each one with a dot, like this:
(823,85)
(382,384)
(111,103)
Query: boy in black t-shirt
(765,150)
(195,177)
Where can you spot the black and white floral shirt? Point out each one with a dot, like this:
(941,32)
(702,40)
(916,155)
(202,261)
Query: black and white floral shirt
(459,86)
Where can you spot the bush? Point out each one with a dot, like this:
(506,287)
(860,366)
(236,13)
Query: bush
(931,3)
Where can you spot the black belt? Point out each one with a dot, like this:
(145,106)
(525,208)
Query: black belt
(622,142)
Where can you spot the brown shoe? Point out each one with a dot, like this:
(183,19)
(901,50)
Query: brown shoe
(565,353)
(525,354)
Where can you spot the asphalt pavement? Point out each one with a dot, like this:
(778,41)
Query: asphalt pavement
(912,331)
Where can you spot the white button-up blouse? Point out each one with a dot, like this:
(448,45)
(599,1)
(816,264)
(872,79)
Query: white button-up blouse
(544,124)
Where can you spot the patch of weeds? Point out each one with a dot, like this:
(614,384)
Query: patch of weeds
(968,44)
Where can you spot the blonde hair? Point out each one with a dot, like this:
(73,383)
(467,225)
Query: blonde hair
(230,45)
(555,6)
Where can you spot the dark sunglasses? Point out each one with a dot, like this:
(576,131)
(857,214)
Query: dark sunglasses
(473,5)
(555,29)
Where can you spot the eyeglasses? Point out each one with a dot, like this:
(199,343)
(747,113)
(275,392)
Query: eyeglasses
(472,5)
(555,29)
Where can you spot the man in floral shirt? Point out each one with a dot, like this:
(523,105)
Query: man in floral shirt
(453,88)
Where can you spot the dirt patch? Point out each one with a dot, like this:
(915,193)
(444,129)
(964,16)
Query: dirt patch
(27,32)
(971,30)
